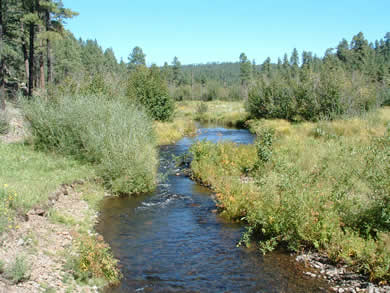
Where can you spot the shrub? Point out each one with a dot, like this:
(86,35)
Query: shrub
(264,145)
(95,86)
(147,87)
(115,136)
(313,96)
(18,271)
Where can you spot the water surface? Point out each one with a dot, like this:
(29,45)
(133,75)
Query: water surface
(172,240)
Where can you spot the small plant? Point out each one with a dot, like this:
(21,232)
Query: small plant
(4,122)
(7,201)
(94,259)
(264,144)
(18,270)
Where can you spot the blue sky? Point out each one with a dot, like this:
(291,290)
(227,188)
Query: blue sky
(219,30)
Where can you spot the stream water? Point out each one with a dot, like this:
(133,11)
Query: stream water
(172,240)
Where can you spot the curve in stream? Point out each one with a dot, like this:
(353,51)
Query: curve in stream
(172,240)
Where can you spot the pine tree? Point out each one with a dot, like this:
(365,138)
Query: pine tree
(266,67)
(360,51)
(176,71)
(136,58)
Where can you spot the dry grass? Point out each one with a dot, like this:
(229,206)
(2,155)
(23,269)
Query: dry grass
(170,132)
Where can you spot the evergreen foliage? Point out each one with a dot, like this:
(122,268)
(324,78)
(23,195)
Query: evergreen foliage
(147,87)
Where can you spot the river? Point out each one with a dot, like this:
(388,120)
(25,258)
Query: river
(172,240)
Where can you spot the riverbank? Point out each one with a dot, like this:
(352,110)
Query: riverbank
(171,132)
(231,114)
(45,214)
(49,209)
(320,186)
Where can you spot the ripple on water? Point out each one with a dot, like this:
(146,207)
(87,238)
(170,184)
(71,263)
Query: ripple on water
(172,241)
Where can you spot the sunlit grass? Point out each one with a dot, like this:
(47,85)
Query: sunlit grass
(33,175)
(222,112)
(170,132)
(326,186)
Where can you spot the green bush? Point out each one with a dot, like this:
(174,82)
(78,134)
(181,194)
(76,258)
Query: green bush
(264,145)
(147,87)
(18,270)
(313,96)
(115,136)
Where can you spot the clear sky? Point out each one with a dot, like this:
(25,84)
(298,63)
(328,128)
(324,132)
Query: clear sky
(201,31)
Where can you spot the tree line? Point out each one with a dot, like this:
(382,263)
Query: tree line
(38,55)
(350,79)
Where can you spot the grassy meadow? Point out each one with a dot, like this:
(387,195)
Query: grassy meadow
(321,185)
(218,112)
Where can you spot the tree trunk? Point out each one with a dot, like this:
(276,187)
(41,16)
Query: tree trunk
(25,54)
(41,67)
(41,72)
(2,62)
(48,51)
(31,60)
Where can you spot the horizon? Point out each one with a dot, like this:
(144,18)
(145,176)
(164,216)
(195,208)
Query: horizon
(218,32)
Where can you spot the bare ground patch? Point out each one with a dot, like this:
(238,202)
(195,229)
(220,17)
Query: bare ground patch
(45,243)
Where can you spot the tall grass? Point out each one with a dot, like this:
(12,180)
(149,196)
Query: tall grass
(320,185)
(116,137)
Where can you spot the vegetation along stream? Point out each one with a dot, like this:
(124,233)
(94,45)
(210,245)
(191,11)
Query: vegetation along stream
(172,240)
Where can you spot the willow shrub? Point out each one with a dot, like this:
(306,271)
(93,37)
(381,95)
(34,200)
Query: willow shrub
(113,135)
(312,96)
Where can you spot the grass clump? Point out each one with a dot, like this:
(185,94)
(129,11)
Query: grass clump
(300,190)
(113,135)
(18,271)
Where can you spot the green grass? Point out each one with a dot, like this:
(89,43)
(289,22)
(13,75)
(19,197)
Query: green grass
(116,137)
(28,177)
(303,188)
